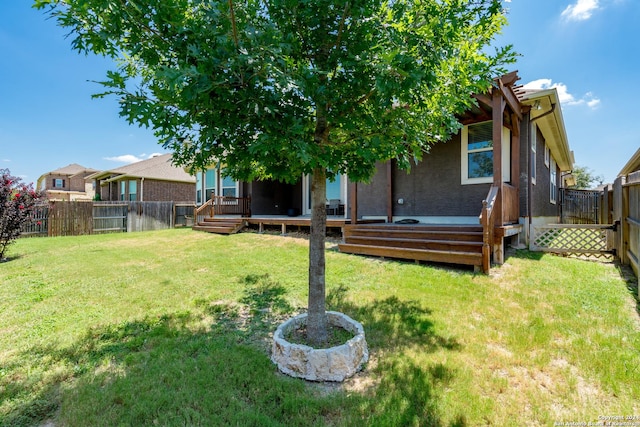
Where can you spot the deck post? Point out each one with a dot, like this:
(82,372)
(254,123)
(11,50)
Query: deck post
(498,120)
(354,202)
(389,191)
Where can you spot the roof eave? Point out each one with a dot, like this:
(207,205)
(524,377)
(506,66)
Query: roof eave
(554,122)
(632,165)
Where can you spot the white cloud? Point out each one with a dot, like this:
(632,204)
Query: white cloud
(125,158)
(6,160)
(130,158)
(566,98)
(581,10)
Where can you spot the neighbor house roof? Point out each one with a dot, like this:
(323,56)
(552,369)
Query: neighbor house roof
(547,114)
(158,167)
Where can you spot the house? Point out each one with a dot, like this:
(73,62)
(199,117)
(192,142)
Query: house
(462,203)
(632,168)
(68,183)
(154,179)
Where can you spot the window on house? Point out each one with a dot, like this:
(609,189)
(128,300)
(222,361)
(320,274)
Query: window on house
(334,189)
(210,178)
(58,183)
(123,189)
(229,187)
(477,153)
(534,142)
(199,188)
(133,187)
(480,150)
(553,183)
(547,155)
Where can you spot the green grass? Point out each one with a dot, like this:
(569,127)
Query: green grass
(172,328)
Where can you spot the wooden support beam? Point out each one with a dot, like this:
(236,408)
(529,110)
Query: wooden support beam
(389,191)
(498,120)
(515,154)
(353,205)
(511,98)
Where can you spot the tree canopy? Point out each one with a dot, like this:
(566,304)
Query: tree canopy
(274,89)
(585,178)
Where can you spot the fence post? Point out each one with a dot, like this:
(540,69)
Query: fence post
(625,228)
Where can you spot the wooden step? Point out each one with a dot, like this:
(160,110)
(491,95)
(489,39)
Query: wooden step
(450,257)
(419,234)
(438,244)
(422,227)
(220,225)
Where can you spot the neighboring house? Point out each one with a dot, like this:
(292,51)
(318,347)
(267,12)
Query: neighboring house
(155,179)
(512,151)
(68,183)
(632,168)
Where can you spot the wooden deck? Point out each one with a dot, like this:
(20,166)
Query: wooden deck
(452,244)
(449,244)
(233,224)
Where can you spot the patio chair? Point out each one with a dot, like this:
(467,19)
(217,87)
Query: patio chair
(333,208)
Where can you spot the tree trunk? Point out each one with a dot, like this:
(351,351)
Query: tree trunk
(317,317)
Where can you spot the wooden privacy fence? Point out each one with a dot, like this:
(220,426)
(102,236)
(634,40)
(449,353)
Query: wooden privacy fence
(579,206)
(79,218)
(627,208)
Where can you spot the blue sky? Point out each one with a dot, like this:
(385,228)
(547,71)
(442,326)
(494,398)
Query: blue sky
(588,49)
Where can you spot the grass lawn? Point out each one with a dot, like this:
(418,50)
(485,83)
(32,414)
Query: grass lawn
(172,328)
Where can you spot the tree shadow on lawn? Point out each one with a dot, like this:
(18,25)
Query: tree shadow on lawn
(211,367)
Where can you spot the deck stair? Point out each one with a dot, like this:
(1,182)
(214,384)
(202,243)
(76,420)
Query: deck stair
(453,244)
(220,225)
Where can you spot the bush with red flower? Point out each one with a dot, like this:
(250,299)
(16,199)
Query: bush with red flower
(17,202)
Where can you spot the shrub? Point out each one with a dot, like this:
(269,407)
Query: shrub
(17,202)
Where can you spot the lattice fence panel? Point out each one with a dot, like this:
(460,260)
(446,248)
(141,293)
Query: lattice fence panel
(580,241)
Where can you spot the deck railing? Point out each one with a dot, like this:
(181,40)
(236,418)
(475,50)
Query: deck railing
(224,205)
(510,210)
(487,220)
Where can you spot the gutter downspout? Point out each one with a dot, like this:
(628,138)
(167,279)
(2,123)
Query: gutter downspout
(142,189)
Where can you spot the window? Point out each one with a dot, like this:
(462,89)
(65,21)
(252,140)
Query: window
(133,186)
(123,189)
(547,155)
(334,190)
(199,188)
(534,142)
(58,183)
(229,187)
(553,186)
(210,179)
(480,150)
(477,153)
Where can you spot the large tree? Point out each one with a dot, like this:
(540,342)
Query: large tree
(585,178)
(275,89)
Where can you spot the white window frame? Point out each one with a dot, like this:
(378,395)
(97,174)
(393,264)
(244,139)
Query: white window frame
(464,157)
(547,155)
(199,188)
(553,181)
